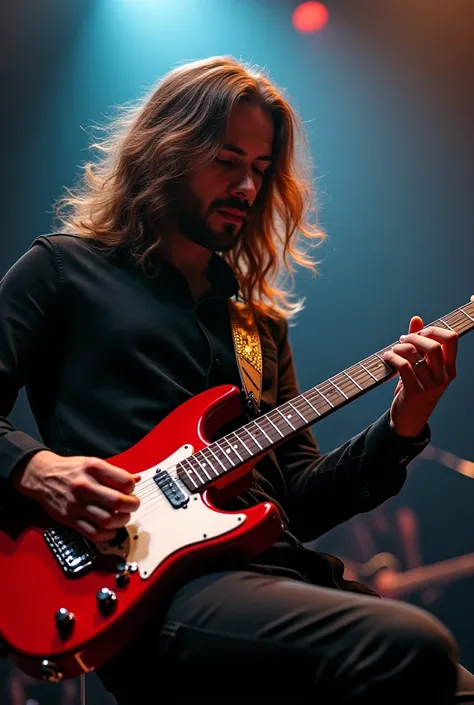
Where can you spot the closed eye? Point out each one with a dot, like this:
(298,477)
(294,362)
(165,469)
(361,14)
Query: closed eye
(228,162)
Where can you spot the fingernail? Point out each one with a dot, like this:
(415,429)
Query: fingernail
(403,337)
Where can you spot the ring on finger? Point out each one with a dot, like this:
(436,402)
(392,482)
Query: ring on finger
(421,361)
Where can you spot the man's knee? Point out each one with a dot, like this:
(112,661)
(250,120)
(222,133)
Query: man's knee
(415,646)
(411,628)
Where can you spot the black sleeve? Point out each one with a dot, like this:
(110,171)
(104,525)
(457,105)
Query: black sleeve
(29,301)
(325,490)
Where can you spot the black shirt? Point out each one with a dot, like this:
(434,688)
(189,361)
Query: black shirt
(105,352)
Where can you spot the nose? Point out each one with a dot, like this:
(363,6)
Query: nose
(244,188)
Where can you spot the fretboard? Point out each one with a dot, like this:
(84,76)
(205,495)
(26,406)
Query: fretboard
(262,434)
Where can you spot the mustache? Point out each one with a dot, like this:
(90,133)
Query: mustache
(232,203)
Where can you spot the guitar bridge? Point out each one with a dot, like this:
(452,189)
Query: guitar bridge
(73,553)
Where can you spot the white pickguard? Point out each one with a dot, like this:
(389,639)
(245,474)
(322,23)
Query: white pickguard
(159,528)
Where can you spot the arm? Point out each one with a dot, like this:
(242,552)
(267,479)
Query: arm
(29,294)
(326,490)
(88,494)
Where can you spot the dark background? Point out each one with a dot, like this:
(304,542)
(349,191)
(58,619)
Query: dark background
(386,93)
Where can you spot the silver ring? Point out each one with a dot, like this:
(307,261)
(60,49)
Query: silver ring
(421,361)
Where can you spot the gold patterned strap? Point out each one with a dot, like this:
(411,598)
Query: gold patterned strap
(247,348)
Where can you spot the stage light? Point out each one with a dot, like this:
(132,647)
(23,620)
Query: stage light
(310,17)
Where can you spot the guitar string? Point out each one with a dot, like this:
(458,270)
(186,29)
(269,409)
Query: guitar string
(360,370)
(357,376)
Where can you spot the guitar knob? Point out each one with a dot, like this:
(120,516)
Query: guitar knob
(64,621)
(50,672)
(106,600)
(122,575)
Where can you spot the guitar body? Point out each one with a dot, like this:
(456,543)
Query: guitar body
(164,546)
(67,606)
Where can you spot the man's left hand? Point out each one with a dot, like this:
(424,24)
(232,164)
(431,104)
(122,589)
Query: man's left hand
(425,359)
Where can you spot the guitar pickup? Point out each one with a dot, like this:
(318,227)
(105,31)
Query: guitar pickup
(170,489)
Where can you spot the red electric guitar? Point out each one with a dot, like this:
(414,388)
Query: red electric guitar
(67,606)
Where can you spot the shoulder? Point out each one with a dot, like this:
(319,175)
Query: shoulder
(73,252)
(64,243)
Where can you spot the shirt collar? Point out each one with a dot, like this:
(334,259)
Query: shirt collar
(221,276)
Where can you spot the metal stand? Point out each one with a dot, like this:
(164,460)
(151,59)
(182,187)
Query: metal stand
(82,689)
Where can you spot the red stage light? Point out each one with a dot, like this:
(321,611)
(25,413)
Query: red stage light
(310,17)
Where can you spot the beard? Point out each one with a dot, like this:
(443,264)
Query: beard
(194,224)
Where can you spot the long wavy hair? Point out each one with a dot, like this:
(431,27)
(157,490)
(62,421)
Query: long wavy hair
(125,195)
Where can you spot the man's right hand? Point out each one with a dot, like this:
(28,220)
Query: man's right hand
(87,494)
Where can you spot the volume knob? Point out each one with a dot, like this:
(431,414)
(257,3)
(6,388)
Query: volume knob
(106,600)
(64,621)
(122,575)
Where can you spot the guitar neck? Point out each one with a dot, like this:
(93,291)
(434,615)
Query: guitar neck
(262,434)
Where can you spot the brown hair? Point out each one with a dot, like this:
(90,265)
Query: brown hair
(151,146)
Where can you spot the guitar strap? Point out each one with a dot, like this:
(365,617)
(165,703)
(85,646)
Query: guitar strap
(248,352)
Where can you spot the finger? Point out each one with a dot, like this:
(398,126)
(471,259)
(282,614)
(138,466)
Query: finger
(105,519)
(449,340)
(429,375)
(432,350)
(405,370)
(110,499)
(93,533)
(111,476)
(415,325)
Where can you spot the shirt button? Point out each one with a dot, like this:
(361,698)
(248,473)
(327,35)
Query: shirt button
(217,362)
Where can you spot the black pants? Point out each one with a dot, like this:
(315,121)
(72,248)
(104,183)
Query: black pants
(242,637)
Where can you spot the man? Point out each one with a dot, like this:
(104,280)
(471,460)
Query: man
(115,323)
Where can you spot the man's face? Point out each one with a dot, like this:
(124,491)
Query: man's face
(217,198)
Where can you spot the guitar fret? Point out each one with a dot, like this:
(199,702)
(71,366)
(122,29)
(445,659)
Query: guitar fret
(232,448)
(466,314)
(285,419)
(208,462)
(268,429)
(188,473)
(254,439)
(374,364)
(382,361)
(226,455)
(308,402)
(276,427)
(338,389)
(204,465)
(260,426)
(209,448)
(324,397)
(243,442)
(352,380)
(244,428)
(298,412)
(318,400)
(195,470)
(368,371)
(446,324)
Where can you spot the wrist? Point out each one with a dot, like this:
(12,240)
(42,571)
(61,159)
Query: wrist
(23,478)
(417,436)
